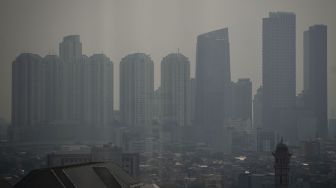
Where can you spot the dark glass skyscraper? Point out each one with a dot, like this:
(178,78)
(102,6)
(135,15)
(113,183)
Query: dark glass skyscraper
(279,71)
(213,80)
(315,76)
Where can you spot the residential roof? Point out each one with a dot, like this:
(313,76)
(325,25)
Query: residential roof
(100,174)
(4,183)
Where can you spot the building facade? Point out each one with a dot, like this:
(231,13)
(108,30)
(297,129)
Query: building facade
(316,76)
(242,100)
(136,90)
(279,73)
(62,98)
(175,76)
(213,80)
(257,108)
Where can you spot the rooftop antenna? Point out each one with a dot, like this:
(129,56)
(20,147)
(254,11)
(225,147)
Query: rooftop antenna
(178,50)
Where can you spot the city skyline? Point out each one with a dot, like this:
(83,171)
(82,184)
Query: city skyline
(115,44)
(168,93)
(72,69)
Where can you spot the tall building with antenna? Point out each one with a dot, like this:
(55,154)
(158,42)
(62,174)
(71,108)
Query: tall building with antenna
(175,76)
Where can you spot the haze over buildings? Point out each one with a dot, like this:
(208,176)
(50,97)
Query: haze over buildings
(169,95)
(158,27)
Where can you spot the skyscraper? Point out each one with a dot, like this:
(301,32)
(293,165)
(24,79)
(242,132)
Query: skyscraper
(242,100)
(192,100)
(157,104)
(279,71)
(175,76)
(315,76)
(70,49)
(100,92)
(57,100)
(136,90)
(213,79)
(53,84)
(28,94)
(257,108)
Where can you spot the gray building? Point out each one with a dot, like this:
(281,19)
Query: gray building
(157,105)
(28,94)
(175,76)
(279,73)
(54,82)
(332,128)
(213,80)
(136,90)
(62,98)
(242,100)
(257,108)
(315,76)
(192,99)
(99,109)
(70,49)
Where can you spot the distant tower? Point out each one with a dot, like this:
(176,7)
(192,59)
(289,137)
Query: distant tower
(279,73)
(175,76)
(281,165)
(70,52)
(213,80)
(70,49)
(315,76)
(257,108)
(242,99)
(28,106)
(136,90)
(100,92)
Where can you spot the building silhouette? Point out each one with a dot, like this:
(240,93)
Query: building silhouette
(62,98)
(157,105)
(315,77)
(28,92)
(70,49)
(279,74)
(213,80)
(281,165)
(53,83)
(99,110)
(175,78)
(136,90)
(257,108)
(192,99)
(242,100)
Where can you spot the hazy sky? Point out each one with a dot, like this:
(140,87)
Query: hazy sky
(156,27)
